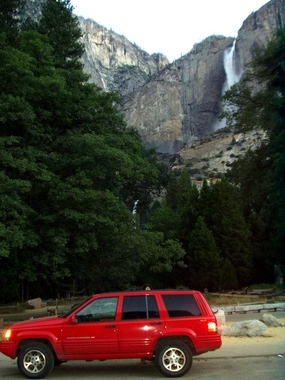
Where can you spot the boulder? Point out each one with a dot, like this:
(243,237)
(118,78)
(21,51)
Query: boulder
(244,328)
(35,303)
(221,319)
(270,321)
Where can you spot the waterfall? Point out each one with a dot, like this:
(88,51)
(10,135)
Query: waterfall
(232,77)
(135,208)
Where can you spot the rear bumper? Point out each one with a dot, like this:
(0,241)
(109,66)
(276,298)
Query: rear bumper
(208,343)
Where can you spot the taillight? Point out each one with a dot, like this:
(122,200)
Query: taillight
(212,327)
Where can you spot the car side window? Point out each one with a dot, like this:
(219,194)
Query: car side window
(100,310)
(139,307)
(181,305)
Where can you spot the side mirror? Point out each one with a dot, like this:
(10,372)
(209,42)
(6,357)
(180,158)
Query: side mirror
(215,310)
(72,319)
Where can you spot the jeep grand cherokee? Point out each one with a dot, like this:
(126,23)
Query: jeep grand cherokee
(167,326)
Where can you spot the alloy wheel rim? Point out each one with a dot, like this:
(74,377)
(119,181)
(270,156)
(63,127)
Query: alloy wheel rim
(34,361)
(174,359)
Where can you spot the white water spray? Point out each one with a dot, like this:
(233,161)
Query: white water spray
(232,76)
(135,208)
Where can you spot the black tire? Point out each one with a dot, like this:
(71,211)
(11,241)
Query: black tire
(35,360)
(173,359)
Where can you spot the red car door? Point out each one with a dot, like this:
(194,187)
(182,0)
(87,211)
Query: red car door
(94,330)
(140,323)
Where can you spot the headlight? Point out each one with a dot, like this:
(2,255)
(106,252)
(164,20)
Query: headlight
(8,334)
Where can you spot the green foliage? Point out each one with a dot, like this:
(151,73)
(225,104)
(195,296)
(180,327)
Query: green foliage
(10,17)
(228,276)
(212,229)
(232,233)
(70,171)
(258,101)
(156,257)
(165,220)
(67,49)
(203,258)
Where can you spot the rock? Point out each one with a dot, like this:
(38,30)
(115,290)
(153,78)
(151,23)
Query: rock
(35,303)
(214,154)
(221,319)
(244,328)
(270,321)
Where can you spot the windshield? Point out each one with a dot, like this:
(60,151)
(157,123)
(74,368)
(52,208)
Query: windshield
(73,307)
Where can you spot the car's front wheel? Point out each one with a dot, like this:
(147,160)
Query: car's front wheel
(173,359)
(35,360)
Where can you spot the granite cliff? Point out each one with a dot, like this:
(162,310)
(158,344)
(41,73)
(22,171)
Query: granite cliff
(113,62)
(173,104)
(258,29)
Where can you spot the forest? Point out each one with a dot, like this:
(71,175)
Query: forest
(86,208)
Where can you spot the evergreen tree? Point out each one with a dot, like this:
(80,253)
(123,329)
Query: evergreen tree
(250,175)
(187,204)
(10,17)
(63,31)
(230,230)
(228,279)
(172,192)
(206,202)
(164,219)
(264,107)
(203,258)
(69,170)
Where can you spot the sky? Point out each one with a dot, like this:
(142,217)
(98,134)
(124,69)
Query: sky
(168,27)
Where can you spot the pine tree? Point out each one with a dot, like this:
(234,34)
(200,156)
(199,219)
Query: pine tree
(228,279)
(187,204)
(69,168)
(203,258)
(264,108)
(63,31)
(10,18)
(230,230)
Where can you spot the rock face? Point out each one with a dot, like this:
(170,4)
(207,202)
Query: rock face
(182,100)
(213,155)
(258,29)
(172,104)
(113,62)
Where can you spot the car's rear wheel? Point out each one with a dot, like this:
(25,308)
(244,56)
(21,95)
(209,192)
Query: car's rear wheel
(173,359)
(35,360)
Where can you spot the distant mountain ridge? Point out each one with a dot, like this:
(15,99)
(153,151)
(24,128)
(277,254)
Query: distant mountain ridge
(173,104)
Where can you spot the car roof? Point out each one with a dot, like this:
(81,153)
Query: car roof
(135,291)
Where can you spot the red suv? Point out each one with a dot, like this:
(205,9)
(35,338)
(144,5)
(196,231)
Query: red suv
(167,326)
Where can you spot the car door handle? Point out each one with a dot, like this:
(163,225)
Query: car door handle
(155,323)
(110,327)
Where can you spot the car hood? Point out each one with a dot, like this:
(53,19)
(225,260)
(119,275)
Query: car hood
(38,322)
